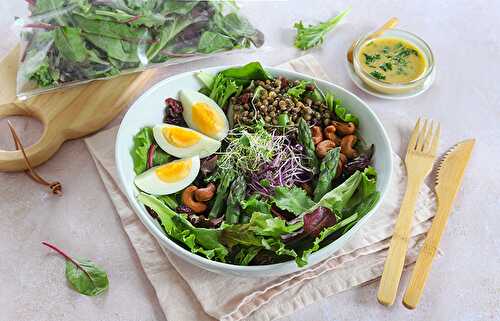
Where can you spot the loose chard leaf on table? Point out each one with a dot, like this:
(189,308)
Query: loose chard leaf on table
(84,276)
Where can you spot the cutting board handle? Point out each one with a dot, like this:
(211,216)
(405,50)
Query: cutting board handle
(39,152)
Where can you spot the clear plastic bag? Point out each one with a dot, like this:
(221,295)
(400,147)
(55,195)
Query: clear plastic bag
(68,42)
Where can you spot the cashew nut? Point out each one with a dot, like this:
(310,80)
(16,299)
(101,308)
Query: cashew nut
(329,133)
(340,166)
(344,128)
(323,147)
(205,194)
(347,146)
(317,135)
(189,201)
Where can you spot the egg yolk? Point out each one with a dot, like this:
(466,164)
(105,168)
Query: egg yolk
(206,119)
(174,171)
(180,137)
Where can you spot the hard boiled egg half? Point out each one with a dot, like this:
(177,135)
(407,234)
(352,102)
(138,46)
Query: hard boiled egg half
(169,178)
(203,114)
(183,142)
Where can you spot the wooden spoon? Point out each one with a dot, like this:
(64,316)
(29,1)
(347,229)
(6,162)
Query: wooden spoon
(391,23)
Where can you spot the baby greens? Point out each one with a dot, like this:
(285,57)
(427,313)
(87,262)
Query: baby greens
(70,41)
(143,141)
(314,35)
(83,275)
(275,197)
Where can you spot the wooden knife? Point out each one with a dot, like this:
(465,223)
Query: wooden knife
(449,178)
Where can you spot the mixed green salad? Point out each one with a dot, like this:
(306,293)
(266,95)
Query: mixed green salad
(254,168)
(69,41)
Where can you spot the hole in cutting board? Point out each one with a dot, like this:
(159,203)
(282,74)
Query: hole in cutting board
(28,129)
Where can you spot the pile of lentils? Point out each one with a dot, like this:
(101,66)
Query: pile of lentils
(274,103)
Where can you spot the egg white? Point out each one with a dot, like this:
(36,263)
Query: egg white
(206,146)
(150,183)
(189,98)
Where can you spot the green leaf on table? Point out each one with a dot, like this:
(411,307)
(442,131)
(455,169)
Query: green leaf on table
(314,35)
(292,199)
(84,276)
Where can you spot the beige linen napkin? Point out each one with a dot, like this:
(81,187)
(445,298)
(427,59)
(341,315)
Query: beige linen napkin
(187,292)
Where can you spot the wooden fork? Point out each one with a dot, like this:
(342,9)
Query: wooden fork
(419,160)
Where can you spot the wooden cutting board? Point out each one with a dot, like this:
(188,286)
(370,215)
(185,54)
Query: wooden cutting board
(65,114)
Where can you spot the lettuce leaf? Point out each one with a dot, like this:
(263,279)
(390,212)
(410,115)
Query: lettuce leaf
(292,199)
(142,141)
(199,240)
(337,198)
(335,105)
(267,225)
(255,204)
(246,255)
(367,186)
(263,231)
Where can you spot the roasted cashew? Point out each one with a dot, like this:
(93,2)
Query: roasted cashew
(344,129)
(329,133)
(317,135)
(205,194)
(323,147)
(340,166)
(347,146)
(189,201)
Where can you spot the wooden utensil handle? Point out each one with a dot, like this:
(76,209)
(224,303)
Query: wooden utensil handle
(425,258)
(399,244)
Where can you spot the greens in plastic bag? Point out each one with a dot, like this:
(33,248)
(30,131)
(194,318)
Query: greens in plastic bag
(72,41)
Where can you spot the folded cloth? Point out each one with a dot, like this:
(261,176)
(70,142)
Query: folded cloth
(186,292)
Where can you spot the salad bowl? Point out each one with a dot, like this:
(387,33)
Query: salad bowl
(148,110)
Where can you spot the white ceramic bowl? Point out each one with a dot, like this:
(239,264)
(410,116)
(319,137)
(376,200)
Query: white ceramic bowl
(148,111)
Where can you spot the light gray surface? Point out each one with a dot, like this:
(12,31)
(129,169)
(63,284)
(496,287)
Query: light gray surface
(463,285)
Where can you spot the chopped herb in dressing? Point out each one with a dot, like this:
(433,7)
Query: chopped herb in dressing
(377,75)
(392,60)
